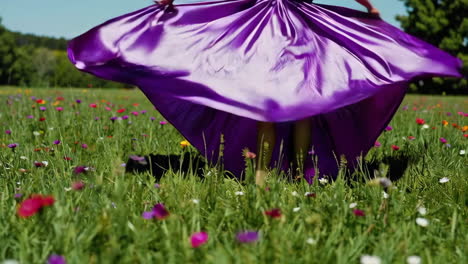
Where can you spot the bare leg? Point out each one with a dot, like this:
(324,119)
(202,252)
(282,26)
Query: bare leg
(265,144)
(302,139)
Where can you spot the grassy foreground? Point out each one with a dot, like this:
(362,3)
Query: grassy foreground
(97,213)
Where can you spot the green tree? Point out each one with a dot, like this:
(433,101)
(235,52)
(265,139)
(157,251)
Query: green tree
(7,54)
(444,24)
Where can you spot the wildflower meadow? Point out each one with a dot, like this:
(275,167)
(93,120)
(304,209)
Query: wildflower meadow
(65,196)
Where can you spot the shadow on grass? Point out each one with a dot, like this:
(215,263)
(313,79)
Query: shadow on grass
(193,164)
(158,165)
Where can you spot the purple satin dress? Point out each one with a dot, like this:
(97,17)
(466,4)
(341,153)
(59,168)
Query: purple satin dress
(217,68)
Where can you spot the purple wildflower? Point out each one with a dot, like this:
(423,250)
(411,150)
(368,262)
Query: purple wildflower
(18,195)
(84,146)
(140,160)
(443,140)
(56,142)
(42,108)
(143,112)
(152,118)
(148,215)
(8,132)
(159,212)
(80,169)
(388,128)
(13,145)
(96,118)
(163,122)
(113,118)
(125,117)
(30,117)
(78,101)
(247,237)
(56,259)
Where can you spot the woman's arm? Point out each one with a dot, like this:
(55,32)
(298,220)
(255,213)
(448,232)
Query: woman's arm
(367,4)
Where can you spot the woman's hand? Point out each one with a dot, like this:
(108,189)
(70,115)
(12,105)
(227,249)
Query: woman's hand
(374,11)
(165,2)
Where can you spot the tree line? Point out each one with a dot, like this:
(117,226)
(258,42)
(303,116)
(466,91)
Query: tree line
(36,61)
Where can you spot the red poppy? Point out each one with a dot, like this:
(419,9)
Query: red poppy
(420,121)
(34,204)
(121,110)
(358,212)
(274,213)
(395,147)
(42,119)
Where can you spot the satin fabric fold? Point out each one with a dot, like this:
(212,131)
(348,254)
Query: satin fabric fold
(217,68)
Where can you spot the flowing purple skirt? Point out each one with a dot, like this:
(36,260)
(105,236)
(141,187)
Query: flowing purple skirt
(217,68)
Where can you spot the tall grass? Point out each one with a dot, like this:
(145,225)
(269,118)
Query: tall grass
(103,223)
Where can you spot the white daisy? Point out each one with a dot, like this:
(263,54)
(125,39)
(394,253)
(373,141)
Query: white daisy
(444,180)
(10,261)
(294,193)
(422,221)
(323,181)
(413,260)
(366,259)
(462,152)
(296,209)
(36,133)
(352,205)
(422,210)
(195,201)
(239,193)
(385,195)
(425,126)
(311,241)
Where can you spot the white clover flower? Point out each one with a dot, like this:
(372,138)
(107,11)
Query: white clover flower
(425,126)
(35,133)
(10,261)
(239,193)
(195,201)
(23,157)
(323,181)
(311,241)
(422,221)
(385,195)
(462,152)
(366,259)
(296,209)
(352,205)
(294,193)
(422,210)
(46,163)
(444,180)
(413,260)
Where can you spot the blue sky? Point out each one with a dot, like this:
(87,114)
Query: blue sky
(69,18)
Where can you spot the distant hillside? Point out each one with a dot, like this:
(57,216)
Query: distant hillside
(37,61)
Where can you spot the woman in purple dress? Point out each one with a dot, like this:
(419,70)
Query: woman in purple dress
(315,80)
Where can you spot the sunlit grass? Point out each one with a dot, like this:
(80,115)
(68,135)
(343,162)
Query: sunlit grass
(103,223)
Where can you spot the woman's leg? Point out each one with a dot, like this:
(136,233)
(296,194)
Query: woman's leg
(302,140)
(265,144)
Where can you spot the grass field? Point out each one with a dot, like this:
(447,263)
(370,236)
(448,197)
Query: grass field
(76,155)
